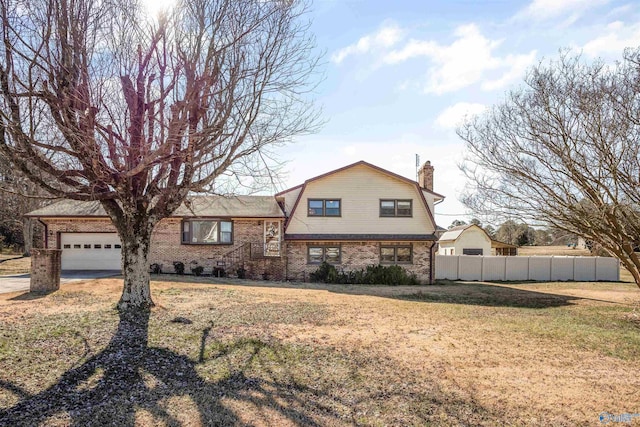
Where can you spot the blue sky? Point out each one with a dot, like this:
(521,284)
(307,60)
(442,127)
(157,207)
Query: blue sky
(399,75)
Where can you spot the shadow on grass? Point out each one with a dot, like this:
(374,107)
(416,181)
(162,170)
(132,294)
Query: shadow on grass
(490,295)
(128,376)
(469,293)
(30,296)
(130,383)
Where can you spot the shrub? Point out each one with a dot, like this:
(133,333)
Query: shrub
(195,268)
(155,268)
(179,267)
(392,275)
(324,273)
(242,273)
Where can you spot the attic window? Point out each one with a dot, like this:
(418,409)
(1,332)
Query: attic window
(207,232)
(324,207)
(396,208)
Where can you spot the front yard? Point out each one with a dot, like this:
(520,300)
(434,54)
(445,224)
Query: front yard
(261,353)
(10,265)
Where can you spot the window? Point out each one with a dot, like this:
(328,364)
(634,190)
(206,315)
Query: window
(97,246)
(396,208)
(107,246)
(207,232)
(87,246)
(324,207)
(396,255)
(117,246)
(472,251)
(318,254)
(77,246)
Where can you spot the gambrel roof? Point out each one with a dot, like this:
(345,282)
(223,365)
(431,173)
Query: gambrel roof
(421,191)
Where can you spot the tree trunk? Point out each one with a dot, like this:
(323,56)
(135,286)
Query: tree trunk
(136,293)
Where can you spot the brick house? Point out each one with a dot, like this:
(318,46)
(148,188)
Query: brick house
(352,217)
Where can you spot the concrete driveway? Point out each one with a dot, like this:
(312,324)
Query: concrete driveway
(21,282)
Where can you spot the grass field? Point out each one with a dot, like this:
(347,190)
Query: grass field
(260,353)
(14,265)
(552,250)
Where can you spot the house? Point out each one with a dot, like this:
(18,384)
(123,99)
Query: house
(351,217)
(361,215)
(470,239)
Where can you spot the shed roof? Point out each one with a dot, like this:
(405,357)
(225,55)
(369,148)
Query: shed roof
(454,232)
(198,206)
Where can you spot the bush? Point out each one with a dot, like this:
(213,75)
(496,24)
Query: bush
(195,268)
(179,267)
(242,273)
(392,275)
(155,268)
(325,273)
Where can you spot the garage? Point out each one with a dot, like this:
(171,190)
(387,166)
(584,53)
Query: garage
(90,251)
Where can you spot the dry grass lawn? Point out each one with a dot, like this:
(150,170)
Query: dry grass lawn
(258,353)
(14,265)
(552,250)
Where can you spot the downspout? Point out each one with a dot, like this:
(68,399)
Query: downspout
(432,263)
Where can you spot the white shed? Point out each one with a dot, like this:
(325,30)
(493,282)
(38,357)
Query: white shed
(464,240)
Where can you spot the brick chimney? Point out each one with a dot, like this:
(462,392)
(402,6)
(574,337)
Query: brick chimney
(425,176)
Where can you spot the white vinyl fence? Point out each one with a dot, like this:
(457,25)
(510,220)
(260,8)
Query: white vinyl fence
(540,268)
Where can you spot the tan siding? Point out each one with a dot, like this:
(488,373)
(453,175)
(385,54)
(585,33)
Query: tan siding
(290,198)
(473,238)
(444,248)
(430,198)
(360,189)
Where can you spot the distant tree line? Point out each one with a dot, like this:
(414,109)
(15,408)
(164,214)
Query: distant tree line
(18,196)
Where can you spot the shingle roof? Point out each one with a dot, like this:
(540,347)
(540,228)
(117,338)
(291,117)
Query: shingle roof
(454,232)
(200,206)
(363,163)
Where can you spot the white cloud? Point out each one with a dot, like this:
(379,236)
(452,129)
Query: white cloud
(541,10)
(516,67)
(385,37)
(456,114)
(616,37)
(464,62)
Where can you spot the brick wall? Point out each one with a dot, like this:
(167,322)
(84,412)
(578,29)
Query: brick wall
(355,256)
(45,270)
(55,227)
(166,246)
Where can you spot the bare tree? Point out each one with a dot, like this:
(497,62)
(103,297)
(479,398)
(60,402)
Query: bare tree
(19,195)
(564,150)
(101,103)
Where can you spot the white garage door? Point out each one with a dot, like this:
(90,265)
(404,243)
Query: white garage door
(90,251)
